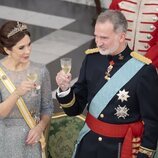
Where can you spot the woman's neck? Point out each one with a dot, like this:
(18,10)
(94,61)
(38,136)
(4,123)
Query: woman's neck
(13,65)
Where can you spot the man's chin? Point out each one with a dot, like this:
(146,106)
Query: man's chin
(104,52)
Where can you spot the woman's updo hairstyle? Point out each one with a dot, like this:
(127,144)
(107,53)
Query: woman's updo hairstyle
(11,33)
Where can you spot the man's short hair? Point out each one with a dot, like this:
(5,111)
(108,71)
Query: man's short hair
(116,18)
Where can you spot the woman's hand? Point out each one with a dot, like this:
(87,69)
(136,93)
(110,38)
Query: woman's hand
(34,135)
(24,87)
(63,80)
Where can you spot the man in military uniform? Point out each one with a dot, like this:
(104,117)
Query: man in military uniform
(142,17)
(119,88)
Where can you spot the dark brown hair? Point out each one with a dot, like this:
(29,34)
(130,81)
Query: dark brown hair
(12,40)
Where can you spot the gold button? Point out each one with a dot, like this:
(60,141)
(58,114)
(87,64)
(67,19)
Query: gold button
(100,139)
(102,115)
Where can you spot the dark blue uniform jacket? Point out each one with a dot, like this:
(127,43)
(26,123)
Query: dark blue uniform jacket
(142,104)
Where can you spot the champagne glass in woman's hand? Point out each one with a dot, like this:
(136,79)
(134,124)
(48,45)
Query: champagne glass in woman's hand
(32,76)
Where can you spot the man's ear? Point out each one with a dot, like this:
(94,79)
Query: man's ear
(122,37)
(6,50)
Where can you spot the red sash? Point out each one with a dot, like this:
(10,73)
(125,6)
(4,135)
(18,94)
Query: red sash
(126,131)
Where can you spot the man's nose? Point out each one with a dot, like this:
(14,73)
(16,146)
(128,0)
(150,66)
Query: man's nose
(99,42)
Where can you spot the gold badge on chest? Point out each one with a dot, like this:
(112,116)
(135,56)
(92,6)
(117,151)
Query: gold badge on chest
(109,69)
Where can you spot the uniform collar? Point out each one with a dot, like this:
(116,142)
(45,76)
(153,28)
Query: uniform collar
(123,56)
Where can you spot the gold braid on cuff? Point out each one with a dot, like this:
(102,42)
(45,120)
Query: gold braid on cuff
(148,152)
(71,103)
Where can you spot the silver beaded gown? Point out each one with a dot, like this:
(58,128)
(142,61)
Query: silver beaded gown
(13,129)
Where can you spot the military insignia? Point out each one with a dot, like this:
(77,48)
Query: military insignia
(91,51)
(109,69)
(121,57)
(141,58)
(107,73)
(123,95)
(121,112)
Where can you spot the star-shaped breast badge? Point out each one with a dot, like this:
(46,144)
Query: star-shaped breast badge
(123,95)
(121,111)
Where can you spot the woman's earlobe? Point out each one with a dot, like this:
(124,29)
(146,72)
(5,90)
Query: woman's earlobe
(6,50)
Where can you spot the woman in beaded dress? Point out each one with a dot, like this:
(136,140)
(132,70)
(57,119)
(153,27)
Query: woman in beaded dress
(17,140)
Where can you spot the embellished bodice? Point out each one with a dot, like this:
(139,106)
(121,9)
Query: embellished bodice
(36,104)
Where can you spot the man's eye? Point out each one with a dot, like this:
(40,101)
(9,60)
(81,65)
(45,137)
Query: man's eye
(104,38)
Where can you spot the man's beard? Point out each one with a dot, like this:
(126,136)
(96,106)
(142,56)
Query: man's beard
(109,51)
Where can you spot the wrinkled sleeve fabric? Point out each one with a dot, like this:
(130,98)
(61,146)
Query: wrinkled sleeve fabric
(47,106)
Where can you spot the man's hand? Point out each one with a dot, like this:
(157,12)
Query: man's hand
(63,80)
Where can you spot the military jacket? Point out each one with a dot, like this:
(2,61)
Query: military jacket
(138,98)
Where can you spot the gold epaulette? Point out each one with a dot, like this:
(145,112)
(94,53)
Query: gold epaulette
(91,51)
(141,58)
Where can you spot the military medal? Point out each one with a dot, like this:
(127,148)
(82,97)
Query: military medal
(109,69)
(121,112)
(123,95)
(121,57)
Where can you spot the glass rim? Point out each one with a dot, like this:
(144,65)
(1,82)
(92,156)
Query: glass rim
(66,58)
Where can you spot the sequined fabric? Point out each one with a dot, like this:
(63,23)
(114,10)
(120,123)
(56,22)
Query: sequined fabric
(13,129)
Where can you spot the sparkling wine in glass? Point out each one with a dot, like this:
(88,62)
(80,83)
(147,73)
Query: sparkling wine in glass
(32,76)
(66,64)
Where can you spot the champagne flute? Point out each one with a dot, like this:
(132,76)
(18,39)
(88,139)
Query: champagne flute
(32,76)
(66,64)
